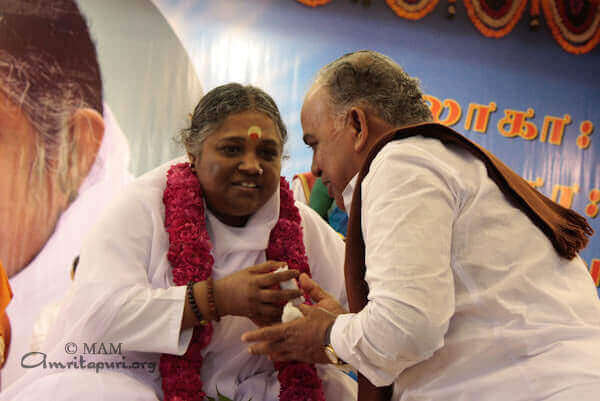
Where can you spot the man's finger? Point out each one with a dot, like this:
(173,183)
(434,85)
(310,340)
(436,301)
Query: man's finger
(315,292)
(282,357)
(305,309)
(272,333)
(269,348)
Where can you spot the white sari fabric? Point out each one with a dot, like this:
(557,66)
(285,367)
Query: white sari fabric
(124,295)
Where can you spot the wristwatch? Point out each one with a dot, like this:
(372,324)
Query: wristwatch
(329,351)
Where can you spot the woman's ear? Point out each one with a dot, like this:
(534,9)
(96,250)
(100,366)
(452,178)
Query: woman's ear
(86,134)
(191,158)
(360,130)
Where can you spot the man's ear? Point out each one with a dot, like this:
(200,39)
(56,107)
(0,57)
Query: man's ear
(357,119)
(191,158)
(86,133)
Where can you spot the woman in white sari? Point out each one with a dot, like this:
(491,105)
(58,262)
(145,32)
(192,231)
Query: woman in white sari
(179,267)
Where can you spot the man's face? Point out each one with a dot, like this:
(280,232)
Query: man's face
(239,166)
(331,142)
(29,207)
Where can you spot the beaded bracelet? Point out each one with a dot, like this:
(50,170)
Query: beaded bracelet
(211,299)
(193,305)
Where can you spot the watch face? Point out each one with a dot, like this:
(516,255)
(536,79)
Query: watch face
(331,355)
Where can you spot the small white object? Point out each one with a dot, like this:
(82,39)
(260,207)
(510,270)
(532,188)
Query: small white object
(290,284)
(290,312)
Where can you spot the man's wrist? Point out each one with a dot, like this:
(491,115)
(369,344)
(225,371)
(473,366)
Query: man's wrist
(327,340)
(329,350)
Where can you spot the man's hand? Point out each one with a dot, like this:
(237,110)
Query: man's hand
(302,339)
(320,297)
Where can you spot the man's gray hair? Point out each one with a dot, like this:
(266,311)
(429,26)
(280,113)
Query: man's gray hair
(220,103)
(374,81)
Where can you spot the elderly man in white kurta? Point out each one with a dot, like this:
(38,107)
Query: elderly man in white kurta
(465,298)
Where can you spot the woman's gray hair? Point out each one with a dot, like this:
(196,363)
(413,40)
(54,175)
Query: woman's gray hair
(370,79)
(48,80)
(220,103)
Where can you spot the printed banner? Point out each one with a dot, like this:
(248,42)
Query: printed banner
(92,94)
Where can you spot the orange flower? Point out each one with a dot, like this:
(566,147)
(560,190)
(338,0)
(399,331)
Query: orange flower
(5,297)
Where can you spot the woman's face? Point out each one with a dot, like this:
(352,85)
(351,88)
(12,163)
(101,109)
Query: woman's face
(239,166)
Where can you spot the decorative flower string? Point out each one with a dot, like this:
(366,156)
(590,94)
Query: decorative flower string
(190,258)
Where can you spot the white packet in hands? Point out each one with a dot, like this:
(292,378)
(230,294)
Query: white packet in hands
(290,312)
(290,284)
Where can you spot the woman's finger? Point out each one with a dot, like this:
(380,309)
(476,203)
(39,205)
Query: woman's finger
(278,296)
(269,311)
(269,280)
(266,267)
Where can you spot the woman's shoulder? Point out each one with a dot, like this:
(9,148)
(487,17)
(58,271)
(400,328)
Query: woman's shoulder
(144,194)
(152,183)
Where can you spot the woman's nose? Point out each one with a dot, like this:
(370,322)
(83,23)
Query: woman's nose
(250,164)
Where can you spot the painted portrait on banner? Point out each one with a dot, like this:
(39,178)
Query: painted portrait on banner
(71,131)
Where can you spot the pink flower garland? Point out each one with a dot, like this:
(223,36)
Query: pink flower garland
(189,255)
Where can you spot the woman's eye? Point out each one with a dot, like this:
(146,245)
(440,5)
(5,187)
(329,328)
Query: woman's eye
(231,149)
(268,154)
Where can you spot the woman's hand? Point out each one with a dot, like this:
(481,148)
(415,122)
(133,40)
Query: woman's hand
(253,293)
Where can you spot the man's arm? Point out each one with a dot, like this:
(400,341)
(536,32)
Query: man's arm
(407,218)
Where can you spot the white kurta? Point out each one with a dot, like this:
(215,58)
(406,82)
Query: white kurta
(124,293)
(468,300)
(46,278)
(298,190)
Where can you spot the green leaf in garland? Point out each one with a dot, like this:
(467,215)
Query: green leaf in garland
(222,397)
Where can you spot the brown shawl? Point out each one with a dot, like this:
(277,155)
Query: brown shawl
(567,230)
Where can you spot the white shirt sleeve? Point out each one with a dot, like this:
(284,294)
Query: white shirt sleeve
(118,259)
(298,190)
(325,251)
(407,218)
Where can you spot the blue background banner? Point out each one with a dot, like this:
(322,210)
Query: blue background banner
(280,45)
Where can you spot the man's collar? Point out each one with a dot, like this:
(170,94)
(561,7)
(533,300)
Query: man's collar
(348,192)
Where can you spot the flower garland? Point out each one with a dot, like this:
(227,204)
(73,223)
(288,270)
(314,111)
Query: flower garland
(189,255)
(412,9)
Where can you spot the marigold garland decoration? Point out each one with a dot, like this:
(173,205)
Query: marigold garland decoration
(313,3)
(412,9)
(495,18)
(575,24)
(534,15)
